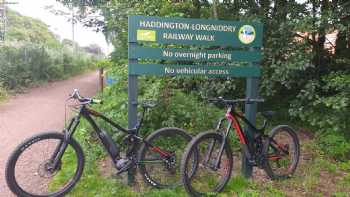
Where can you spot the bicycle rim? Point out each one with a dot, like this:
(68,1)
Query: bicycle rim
(32,172)
(282,154)
(208,177)
(161,162)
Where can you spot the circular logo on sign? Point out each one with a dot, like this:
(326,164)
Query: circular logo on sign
(246,34)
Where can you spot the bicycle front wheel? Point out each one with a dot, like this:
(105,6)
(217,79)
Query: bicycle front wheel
(282,151)
(30,171)
(213,169)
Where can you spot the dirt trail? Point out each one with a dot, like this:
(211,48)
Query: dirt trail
(38,110)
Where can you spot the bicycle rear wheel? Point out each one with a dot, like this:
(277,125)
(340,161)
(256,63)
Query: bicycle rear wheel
(29,170)
(282,151)
(208,176)
(159,158)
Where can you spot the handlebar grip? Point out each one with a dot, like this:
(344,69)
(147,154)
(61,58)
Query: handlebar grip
(245,100)
(220,98)
(96,101)
(259,100)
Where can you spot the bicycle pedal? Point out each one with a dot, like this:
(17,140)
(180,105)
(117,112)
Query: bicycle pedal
(118,173)
(125,168)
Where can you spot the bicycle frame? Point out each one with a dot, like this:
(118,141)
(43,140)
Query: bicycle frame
(248,148)
(232,118)
(105,138)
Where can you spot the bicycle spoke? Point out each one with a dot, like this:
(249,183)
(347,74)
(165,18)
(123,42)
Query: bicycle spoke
(208,177)
(161,161)
(151,161)
(34,167)
(282,152)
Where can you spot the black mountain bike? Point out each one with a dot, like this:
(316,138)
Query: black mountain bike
(51,163)
(277,153)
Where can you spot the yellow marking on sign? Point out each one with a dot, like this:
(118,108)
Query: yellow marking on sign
(146,35)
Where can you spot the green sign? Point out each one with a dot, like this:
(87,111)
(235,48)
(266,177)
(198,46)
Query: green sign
(209,45)
(194,32)
(204,40)
(202,70)
(194,54)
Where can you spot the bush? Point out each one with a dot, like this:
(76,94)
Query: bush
(326,105)
(3,92)
(22,64)
(178,109)
(334,145)
(175,108)
(55,71)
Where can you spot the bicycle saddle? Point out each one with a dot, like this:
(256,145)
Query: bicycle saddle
(268,114)
(148,104)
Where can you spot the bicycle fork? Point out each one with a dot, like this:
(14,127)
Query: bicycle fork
(62,146)
(212,144)
(232,123)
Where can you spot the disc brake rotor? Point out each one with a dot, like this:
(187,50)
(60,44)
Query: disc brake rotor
(46,170)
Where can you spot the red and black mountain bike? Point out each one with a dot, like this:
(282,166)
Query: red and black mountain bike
(210,152)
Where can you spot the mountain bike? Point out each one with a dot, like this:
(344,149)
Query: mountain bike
(51,163)
(277,153)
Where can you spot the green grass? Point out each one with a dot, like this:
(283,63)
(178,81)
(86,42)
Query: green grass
(3,94)
(68,166)
(237,185)
(308,180)
(93,184)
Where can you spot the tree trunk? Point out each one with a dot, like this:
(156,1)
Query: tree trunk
(253,7)
(197,8)
(323,26)
(215,9)
(280,10)
(342,49)
(314,14)
(264,8)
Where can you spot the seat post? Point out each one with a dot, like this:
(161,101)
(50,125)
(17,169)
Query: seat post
(139,124)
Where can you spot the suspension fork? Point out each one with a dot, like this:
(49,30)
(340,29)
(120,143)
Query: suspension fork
(62,146)
(223,144)
(58,147)
(212,144)
(234,122)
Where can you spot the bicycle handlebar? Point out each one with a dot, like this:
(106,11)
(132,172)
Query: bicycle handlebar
(231,102)
(76,95)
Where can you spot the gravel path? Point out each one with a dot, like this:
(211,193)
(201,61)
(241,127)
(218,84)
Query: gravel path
(38,110)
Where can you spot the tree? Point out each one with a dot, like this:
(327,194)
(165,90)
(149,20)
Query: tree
(298,71)
(94,49)
(26,29)
(70,43)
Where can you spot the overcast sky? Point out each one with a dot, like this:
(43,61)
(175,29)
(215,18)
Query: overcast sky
(59,24)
